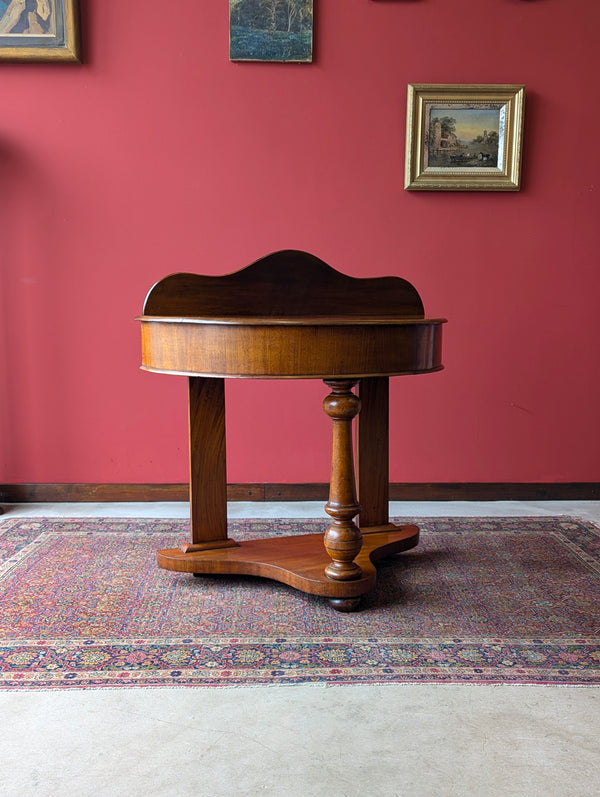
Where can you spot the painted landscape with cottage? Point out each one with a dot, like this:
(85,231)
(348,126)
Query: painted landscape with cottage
(464,137)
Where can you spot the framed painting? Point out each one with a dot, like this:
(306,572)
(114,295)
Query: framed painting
(271,30)
(464,137)
(39,30)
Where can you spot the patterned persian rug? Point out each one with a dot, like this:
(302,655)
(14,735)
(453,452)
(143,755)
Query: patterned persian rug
(480,600)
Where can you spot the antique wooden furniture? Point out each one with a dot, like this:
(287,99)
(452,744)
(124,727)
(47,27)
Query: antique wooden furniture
(291,316)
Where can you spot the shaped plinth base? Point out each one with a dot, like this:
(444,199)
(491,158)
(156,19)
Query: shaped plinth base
(298,561)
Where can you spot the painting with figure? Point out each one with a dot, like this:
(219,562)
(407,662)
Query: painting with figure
(463,136)
(27,17)
(270,30)
(38,30)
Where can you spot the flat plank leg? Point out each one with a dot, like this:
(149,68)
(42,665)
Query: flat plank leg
(208,467)
(372,451)
(372,456)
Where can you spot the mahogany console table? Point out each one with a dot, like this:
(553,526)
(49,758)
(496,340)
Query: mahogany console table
(291,316)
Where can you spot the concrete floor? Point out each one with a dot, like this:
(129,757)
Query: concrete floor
(308,740)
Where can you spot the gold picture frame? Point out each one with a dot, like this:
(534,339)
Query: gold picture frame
(464,137)
(39,30)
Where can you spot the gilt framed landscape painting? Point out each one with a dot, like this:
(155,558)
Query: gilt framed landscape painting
(39,30)
(464,137)
(271,30)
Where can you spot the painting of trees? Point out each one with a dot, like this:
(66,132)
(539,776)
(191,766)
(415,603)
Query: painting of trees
(270,30)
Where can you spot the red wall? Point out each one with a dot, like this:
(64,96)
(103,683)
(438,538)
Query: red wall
(159,155)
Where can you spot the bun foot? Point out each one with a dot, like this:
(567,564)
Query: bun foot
(345,604)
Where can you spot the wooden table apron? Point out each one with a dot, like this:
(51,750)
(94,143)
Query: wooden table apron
(344,353)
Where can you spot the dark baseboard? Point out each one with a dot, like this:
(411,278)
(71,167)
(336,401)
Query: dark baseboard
(441,491)
(48,493)
(452,491)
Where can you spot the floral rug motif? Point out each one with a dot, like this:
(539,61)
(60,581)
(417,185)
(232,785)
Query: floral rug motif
(480,600)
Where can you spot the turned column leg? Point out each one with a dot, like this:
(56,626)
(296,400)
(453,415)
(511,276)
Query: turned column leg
(343,539)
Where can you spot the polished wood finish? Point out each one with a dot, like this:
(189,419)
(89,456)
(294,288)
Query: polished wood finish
(290,315)
(208,477)
(284,285)
(308,348)
(373,451)
(298,561)
(343,540)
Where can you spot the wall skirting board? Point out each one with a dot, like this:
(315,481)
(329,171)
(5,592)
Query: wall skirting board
(451,491)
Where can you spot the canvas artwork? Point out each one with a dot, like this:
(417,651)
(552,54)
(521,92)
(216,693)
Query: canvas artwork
(38,30)
(21,18)
(465,136)
(271,30)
